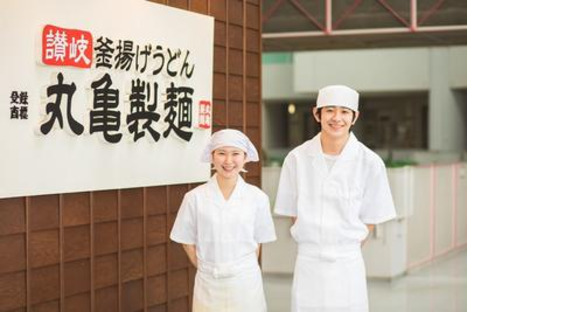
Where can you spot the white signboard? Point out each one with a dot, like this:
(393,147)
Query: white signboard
(102,94)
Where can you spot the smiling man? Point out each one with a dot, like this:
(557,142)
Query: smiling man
(336,190)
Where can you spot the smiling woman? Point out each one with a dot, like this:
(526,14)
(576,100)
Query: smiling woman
(228,162)
(221,225)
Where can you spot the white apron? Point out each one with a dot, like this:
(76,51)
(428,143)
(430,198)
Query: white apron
(329,283)
(235,287)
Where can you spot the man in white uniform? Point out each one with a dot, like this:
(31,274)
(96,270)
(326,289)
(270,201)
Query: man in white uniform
(336,190)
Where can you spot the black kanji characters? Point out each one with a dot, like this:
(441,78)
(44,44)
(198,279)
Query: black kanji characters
(23,97)
(103,118)
(23,112)
(19,105)
(104,52)
(125,55)
(14,112)
(140,94)
(179,98)
(14,98)
(54,109)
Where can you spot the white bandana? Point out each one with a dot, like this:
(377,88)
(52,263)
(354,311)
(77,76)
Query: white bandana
(230,137)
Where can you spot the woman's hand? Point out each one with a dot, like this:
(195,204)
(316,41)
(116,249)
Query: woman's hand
(191,253)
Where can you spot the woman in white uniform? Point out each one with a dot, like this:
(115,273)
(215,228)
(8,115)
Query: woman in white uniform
(336,190)
(221,225)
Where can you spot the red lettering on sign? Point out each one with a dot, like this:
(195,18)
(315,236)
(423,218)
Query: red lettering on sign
(66,47)
(204,114)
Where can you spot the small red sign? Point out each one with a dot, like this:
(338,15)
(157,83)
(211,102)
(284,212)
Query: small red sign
(204,114)
(67,47)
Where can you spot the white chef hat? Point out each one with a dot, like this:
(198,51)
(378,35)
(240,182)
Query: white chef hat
(230,137)
(337,95)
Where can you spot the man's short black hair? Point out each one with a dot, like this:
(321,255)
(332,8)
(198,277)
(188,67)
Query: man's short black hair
(318,110)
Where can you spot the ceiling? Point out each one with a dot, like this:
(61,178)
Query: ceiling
(295,25)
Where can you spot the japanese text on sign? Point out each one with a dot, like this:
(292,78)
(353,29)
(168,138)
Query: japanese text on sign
(62,47)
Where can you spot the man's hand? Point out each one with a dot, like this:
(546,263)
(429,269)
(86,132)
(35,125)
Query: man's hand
(371,227)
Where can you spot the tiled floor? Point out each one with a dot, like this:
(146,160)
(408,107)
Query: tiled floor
(439,286)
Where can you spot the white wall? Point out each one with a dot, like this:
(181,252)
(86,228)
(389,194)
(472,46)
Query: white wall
(419,223)
(278,83)
(373,70)
(446,118)
(458,67)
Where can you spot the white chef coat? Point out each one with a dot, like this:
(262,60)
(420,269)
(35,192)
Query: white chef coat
(332,209)
(226,234)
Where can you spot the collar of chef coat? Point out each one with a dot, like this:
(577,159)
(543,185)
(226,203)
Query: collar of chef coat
(348,153)
(217,193)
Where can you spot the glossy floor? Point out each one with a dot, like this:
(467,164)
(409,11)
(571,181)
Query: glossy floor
(438,286)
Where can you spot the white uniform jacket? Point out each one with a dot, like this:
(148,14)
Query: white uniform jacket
(332,209)
(226,234)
